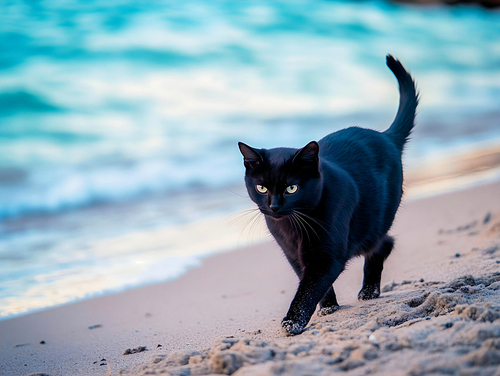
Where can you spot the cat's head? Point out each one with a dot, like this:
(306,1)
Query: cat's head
(282,180)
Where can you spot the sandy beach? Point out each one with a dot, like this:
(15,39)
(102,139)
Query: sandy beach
(128,241)
(438,313)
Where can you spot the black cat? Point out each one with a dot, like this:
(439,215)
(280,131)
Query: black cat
(333,200)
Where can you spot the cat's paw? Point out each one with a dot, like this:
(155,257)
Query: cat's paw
(291,328)
(328,310)
(369,292)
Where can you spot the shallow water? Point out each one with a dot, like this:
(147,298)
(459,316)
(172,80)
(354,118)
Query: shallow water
(119,118)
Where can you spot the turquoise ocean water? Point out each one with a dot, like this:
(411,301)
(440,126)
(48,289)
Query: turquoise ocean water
(119,120)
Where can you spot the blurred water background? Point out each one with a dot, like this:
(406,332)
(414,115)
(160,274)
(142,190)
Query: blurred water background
(119,121)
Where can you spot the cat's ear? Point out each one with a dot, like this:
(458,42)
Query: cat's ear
(308,155)
(251,157)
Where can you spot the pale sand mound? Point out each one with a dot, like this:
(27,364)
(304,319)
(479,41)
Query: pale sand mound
(414,328)
(434,328)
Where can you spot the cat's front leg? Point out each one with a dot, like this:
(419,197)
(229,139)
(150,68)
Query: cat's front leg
(312,288)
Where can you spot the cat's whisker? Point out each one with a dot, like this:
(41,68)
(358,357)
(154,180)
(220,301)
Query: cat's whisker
(246,211)
(250,221)
(254,224)
(292,221)
(249,225)
(297,224)
(237,194)
(317,221)
(301,221)
(304,221)
(240,215)
(303,227)
(307,223)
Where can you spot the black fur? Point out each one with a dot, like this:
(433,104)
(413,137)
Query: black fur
(348,189)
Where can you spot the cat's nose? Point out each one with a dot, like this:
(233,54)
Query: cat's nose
(274,203)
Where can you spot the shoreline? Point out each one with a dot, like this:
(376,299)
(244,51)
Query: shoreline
(238,293)
(143,249)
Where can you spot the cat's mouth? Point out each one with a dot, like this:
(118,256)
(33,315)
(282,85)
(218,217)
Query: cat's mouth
(274,215)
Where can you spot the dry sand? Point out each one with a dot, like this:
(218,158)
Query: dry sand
(439,312)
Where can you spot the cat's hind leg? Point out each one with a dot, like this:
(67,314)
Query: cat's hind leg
(374,263)
(328,304)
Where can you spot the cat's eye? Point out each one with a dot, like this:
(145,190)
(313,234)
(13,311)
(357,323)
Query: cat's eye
(292,188)
(261,189)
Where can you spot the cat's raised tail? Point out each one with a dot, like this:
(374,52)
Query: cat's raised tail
(401,127)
